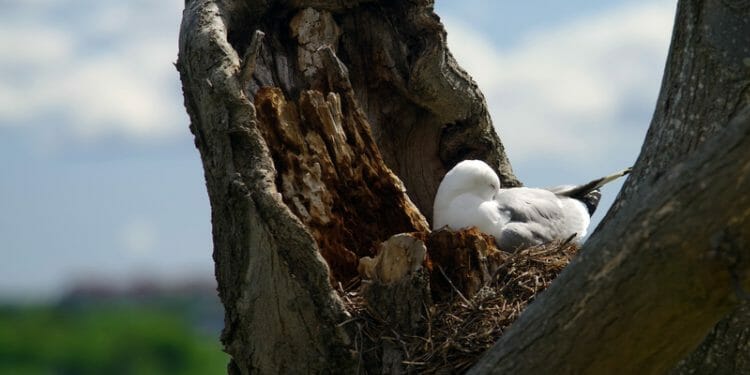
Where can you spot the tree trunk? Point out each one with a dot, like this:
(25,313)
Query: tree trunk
(305,113)
(668,260)
(298,138)
(725,351)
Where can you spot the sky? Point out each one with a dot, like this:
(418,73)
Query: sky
(100,180)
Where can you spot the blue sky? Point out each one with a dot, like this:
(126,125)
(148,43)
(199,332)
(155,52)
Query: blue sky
(100,179)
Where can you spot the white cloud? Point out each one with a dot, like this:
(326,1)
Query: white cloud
(110,74)
(34,46)
(128,92)
(569,92)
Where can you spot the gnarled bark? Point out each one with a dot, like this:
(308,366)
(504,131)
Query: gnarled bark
(706,83)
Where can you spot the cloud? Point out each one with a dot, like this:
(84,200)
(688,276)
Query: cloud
(138,237)
(578,91)
(103,69)
(105,72)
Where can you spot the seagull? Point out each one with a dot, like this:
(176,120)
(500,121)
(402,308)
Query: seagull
(470,195)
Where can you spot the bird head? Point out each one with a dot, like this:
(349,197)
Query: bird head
(471,176)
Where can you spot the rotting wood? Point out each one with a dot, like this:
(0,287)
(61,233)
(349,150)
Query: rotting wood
(332,179)
(269,227)
(425,112)
(396,290)
(398,258)
(462,261)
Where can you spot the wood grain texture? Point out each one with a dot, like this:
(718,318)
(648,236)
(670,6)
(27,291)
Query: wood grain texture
(425,112)
(331,175)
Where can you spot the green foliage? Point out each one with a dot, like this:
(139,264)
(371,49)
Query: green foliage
(122,339)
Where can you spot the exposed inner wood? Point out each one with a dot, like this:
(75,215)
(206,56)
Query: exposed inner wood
(333,180)
(425,112)
(398,258)
(398,291)
(462,261)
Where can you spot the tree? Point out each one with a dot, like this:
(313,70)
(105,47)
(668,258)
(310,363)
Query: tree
(304,113)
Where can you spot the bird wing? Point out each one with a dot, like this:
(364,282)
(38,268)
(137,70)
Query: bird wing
(528,204)
(538,216)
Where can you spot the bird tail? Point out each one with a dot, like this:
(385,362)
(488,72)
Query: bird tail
(581,190)
(589,193)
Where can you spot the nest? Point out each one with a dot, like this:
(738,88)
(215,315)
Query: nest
(459,331)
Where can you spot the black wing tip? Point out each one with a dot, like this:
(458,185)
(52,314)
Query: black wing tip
(591,200)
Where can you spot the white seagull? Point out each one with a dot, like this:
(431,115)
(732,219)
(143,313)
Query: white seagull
(470,196)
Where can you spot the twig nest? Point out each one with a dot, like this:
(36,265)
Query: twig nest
(450,335)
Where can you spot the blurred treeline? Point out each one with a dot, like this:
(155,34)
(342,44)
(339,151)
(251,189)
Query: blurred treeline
(147,331)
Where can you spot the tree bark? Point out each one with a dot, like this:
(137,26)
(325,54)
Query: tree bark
(670,257)
(272,280)
(706,83)
(725,351)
